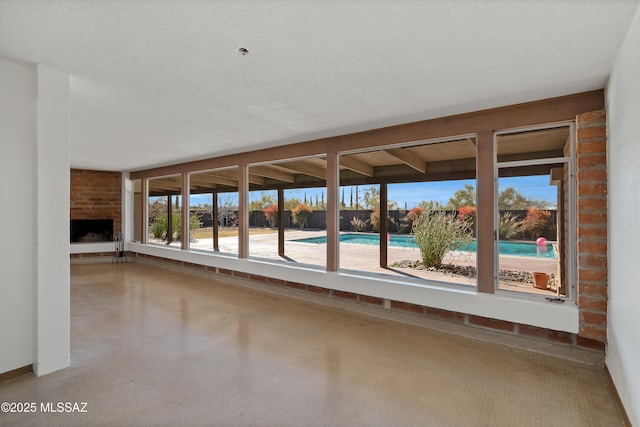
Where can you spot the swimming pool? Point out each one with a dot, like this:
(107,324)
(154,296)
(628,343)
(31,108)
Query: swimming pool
(404,241)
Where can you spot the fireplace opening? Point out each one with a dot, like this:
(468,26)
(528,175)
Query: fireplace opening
(91,230)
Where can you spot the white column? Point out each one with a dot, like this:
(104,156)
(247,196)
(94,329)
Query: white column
(51,290)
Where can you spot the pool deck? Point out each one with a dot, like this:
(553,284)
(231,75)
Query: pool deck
(362,257)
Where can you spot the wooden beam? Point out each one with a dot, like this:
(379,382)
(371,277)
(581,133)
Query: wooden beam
(384,215)
(169,220)
(333,222)
(281,220)
(269,172)
(214,219)
(243,211)
(306,168)
(408,159)
(485,223)
(212,179)
(356,165)
(184,226)
(564,108)
(145,211)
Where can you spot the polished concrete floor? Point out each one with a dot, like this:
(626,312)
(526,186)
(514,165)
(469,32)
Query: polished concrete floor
(156,347)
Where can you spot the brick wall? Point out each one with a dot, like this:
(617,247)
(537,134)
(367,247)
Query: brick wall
(592,225)
(96,195)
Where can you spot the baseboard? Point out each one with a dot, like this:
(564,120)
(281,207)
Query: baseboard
(15,372)
(625,416)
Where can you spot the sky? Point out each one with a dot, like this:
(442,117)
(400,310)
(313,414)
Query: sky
(411,194)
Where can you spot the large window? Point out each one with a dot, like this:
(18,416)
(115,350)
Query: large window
(287,211)
(213,204)
(410,211)
(534,211)
(164,211)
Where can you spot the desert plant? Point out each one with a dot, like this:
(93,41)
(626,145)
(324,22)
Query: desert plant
(467,213)
(414,213)
(300,213)
(536,221)
(271,215)
(374,219)
(509,226)
(358,224)
(160,226)
(436,233)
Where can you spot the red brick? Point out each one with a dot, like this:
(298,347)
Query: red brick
(318,290)
(257,278)
(592,247)
(592,189)
(295,285)
(592,318)
(545,334)
(408,307)
(599,261)
(593,290)
(592,275)
(272,281)
(592,232)
(211,269)
(592,218)
(225,271)
(371,300)
(592,175)
(592,118)
(595,146)
(491,323)
(595,342)
(345,295)
(592,160)
(593,204)
(240,274)
(589,303)
(591,132)
(450,316)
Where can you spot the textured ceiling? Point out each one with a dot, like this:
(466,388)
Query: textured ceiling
(157,82)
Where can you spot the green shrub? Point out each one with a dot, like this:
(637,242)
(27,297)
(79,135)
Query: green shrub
(160,226)
(436,233)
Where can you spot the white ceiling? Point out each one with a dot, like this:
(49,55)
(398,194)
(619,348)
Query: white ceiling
(158,82)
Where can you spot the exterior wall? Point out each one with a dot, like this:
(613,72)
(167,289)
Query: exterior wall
(623,108)
(97,195)
(592,225)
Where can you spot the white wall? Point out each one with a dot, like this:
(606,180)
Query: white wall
(17,184)
(623,111)
(34,189)
(52,293)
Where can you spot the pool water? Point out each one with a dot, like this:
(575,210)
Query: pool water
(505,248)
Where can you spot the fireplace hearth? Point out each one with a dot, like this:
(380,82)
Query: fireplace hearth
(91,230)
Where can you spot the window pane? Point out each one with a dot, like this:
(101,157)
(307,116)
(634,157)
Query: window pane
(437,179)
(165,198)
(214,210)
(303,186)
(532,229)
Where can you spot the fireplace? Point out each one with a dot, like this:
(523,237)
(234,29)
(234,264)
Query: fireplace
(91,230)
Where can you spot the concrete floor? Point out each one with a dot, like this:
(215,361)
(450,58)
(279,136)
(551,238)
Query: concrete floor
(160,348)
